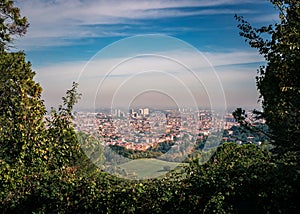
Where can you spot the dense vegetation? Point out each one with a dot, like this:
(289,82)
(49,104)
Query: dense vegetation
(42,168)
(278,81)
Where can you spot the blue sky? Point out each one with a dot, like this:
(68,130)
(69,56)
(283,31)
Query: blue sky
(65,34)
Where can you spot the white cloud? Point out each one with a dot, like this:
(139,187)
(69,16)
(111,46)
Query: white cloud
(269,18)
(61,22)
(237,57)
(52,22)
(164,72)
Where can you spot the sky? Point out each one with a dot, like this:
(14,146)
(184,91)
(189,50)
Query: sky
(145,53)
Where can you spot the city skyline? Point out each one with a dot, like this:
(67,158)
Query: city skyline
(65,35)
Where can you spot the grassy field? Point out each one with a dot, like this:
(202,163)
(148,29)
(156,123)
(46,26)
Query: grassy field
(148,168)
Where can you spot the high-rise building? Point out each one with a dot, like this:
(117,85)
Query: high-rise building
(141,111)
(131,111)
(146,111)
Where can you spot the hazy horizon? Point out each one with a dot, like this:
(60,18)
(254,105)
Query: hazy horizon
(90,41)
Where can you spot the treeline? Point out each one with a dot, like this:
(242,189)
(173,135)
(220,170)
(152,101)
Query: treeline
(152,152)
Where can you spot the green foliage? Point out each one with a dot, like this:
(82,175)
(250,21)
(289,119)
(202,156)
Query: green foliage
(21,110)
(278,81)
(61,133)
(278,84)
(91,159)
(134,154)
(245,179)
(11,23)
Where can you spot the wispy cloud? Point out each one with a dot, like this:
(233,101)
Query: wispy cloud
(90,25)
(54,22)
(237,81)
(270,18)
(233,58)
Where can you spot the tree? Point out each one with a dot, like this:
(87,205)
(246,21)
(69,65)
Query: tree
(279,80)
(31,154)
(21,109)
(61,134)
(244,179)
(11,23)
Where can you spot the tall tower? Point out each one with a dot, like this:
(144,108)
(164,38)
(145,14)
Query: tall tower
(146,111)
(141,111)
(131,111)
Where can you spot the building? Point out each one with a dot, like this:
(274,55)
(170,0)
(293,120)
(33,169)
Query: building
(146,111)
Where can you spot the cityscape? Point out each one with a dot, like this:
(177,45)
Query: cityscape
(143,128)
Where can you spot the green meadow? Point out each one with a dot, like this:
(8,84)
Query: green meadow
(148,168)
